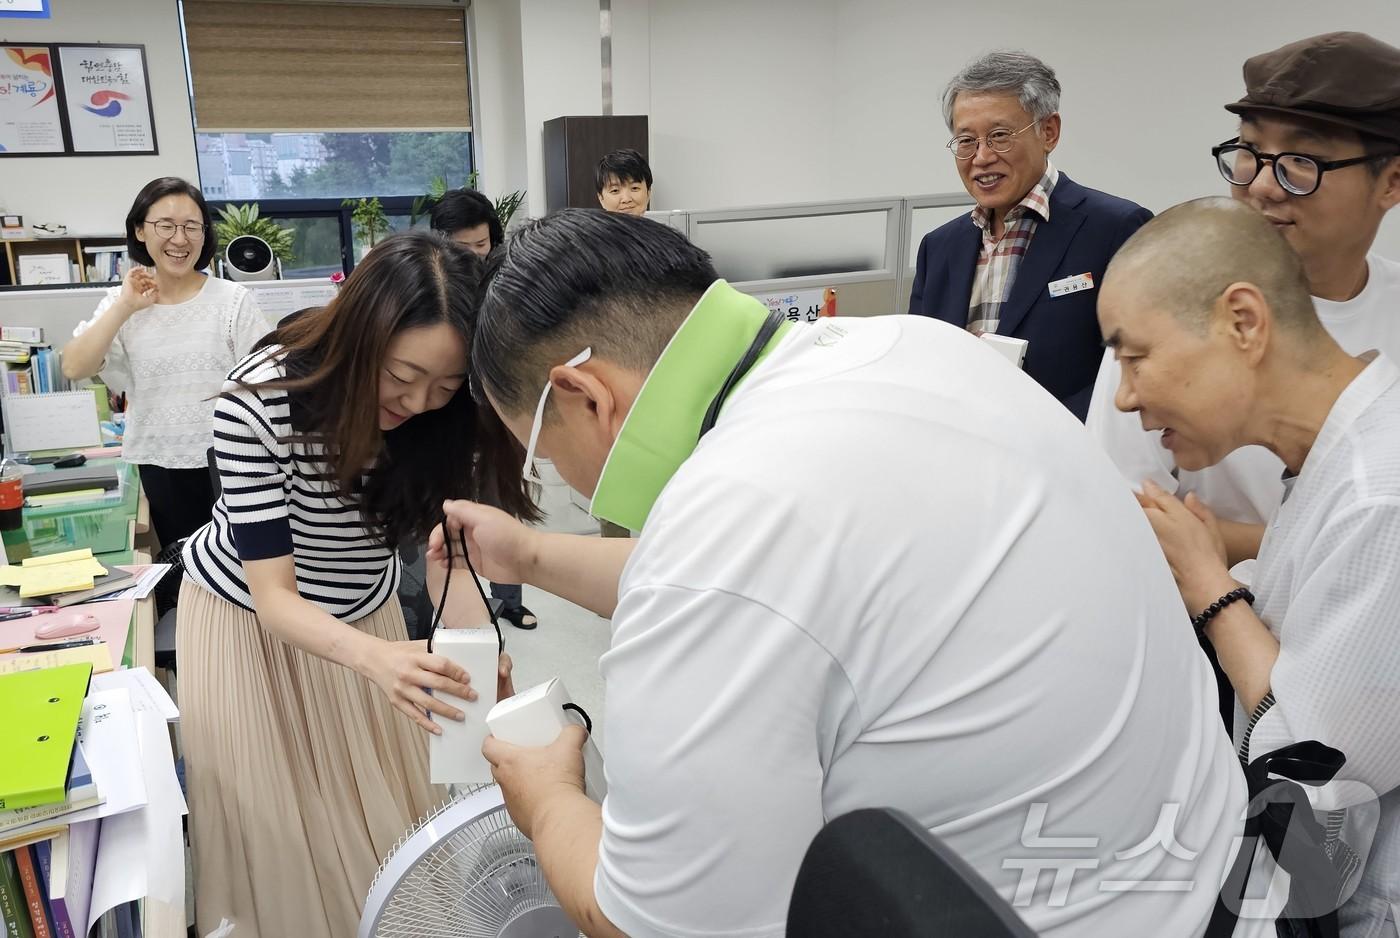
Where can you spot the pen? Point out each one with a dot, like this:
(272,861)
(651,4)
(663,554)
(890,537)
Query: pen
(33,610)
(51,646)
(11,616)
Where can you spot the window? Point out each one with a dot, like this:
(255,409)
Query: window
(296,111)
(252,166)
(317,250)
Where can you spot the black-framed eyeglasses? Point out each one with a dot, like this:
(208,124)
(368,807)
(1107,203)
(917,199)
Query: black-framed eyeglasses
(166,229)
(1298,173)
(998,141)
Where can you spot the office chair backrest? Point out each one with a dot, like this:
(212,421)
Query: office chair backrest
(213,465)
(877,871)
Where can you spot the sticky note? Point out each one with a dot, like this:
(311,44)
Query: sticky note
(67,556)
(95,655)
(55,580)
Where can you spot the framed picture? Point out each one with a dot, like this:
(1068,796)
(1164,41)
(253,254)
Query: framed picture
(25,9)
(43,269)
(107,99)
(31,114)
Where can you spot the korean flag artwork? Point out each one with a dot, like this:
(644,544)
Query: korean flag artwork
(108,99)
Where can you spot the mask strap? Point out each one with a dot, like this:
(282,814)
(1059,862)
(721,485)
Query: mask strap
(760,342)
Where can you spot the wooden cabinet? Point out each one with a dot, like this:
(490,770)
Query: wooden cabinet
(80,250)
(572,148)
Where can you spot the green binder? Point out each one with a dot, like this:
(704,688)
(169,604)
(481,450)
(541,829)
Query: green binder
(41,710)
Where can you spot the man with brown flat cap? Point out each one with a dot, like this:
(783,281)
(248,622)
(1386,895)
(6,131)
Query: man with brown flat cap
(1319,133)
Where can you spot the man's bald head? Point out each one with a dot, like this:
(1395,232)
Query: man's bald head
(1208,313)
(1183,260)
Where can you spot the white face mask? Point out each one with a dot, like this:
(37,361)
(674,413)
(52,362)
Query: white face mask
(528,472)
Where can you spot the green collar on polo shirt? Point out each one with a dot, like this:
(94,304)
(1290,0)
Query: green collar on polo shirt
(663,427)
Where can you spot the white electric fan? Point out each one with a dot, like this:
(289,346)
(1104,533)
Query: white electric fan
(464,872)
(250,258)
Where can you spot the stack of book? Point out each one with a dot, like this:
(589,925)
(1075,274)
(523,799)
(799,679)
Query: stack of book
(46,887)
(68,787)
(105,263)
(27,364)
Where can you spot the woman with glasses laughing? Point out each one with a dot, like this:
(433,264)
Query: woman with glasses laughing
(167,336)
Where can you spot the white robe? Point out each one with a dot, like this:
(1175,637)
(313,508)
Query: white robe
(1327,584)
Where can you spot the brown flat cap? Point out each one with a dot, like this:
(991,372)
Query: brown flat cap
(1348,79)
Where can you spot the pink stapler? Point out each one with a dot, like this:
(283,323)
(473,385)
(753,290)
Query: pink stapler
(66,625)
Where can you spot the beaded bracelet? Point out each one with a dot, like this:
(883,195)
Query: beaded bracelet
(1213,610)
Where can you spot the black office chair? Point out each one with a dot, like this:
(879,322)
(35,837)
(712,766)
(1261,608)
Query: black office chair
(166,594)
(877,871)
(209,460)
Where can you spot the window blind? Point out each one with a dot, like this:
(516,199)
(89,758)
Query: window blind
(326,67)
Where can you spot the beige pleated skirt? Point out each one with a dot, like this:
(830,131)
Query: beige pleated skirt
(301,776)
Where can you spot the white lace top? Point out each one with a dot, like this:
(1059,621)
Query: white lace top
(171,360)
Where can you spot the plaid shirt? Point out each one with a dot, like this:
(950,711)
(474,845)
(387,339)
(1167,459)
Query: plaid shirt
(1000,258)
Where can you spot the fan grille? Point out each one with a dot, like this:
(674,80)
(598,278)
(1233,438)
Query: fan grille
(479,881)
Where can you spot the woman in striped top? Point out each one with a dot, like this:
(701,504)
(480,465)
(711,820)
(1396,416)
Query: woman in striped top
(336,440)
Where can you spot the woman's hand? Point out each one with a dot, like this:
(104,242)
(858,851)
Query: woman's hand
(405,672)
(139,291)
(501,548)
(1191,540)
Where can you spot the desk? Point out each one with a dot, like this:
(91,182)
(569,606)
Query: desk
(143,627)
(161,920)
(143,652)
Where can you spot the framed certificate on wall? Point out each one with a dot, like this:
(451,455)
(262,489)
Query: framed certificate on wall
(25,9)
(107,99)
(31,116)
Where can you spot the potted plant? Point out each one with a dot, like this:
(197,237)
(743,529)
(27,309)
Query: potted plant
(369,219)
(237,220)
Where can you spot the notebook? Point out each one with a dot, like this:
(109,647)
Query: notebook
(115,581)
(37,735)
(83,478)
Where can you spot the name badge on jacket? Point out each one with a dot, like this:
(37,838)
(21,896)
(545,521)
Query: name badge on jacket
(1074,284)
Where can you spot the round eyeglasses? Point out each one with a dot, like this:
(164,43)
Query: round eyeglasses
(1297,173)
(166,229)
(998,141)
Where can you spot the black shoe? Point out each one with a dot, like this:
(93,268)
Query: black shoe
(521,618)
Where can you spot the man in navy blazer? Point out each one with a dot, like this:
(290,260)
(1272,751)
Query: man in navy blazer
(1028,260)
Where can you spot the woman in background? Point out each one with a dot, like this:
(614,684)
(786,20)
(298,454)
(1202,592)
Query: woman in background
(335,441)
(468,217)
(166,337)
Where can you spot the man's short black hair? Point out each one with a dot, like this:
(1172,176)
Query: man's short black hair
(625,166)
(1383,152)
(582,278)
(154,191)
(459,209)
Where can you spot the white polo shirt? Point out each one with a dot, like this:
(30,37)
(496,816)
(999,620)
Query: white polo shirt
(870,587)
(1327,584)
(1244,486)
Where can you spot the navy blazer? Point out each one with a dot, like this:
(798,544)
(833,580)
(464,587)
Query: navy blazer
(1086,228)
